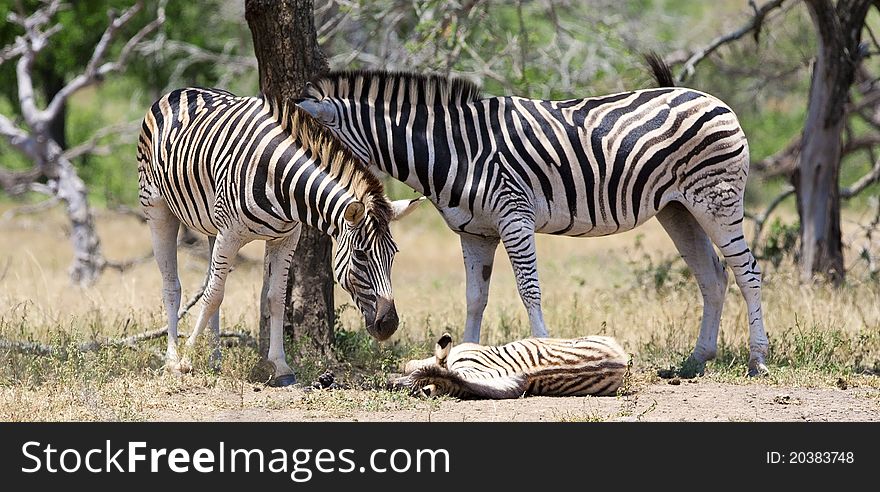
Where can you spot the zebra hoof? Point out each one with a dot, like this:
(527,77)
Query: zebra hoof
(758,369)
(691,368)
(284,380)
(182,367)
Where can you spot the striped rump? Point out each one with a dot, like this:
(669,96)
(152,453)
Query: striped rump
(593,365)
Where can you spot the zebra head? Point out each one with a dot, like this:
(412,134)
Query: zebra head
(428,377)
(329,111)
(364,254)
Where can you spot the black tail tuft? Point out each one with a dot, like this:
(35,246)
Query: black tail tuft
(659,69)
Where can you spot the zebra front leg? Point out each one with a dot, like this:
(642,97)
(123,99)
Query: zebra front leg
(519,241)
(279,254)
(224,251)
(164,227)
(479,257)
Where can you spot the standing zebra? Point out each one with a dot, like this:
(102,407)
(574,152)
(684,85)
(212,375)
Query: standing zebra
(504,168)
(244,168)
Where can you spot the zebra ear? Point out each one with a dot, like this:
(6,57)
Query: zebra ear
(316,109)
(309,88)
(354,213)
(402,208)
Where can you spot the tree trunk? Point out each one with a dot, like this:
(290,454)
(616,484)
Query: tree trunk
(88,261)
(286,46)
(816,178)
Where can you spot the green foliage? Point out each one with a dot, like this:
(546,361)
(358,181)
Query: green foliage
(374,361)
(519,40)
(205,24)
(780,242)
(83,23)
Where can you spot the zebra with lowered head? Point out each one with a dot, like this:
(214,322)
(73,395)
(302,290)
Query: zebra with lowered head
(500,169)
(244,168)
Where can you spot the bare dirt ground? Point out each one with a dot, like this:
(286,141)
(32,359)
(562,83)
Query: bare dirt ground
(691,400)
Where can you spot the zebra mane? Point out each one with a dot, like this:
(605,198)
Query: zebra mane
(334,157)
(429,89)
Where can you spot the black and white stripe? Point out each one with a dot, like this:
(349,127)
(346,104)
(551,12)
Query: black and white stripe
(504,168)
(594,365)
(244,168)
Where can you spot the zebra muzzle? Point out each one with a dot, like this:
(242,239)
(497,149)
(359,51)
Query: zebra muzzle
(386,320)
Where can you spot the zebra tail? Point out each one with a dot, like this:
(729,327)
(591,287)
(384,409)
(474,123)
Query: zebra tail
(660,70)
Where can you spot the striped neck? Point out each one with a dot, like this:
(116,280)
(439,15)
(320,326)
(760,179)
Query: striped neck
(411,126)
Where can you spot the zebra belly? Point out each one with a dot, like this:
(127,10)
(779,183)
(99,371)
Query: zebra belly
(581,226)
(574,384)
(461,220)
(194,205)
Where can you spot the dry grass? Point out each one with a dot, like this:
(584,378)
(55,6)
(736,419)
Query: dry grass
(630,286)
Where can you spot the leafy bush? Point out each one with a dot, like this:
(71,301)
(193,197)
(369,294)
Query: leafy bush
(780,242)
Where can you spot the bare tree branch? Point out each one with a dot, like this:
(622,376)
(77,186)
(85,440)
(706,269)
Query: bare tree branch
(199,54)
(91,146)
(33,41)
(16,182)
(96,68)
(754,25)
(11,51)
(782,162)
(19,138)
(34,208)
(785,161)
(859,186)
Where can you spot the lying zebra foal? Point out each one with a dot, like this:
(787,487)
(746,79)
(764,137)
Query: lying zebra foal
(593,365)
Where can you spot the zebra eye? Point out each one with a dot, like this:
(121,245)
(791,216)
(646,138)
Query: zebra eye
(360,255)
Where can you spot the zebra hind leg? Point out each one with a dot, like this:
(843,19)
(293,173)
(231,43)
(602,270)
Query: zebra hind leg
(727,233)
(696,250)
(214,323)
(224,251)
(164,227)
